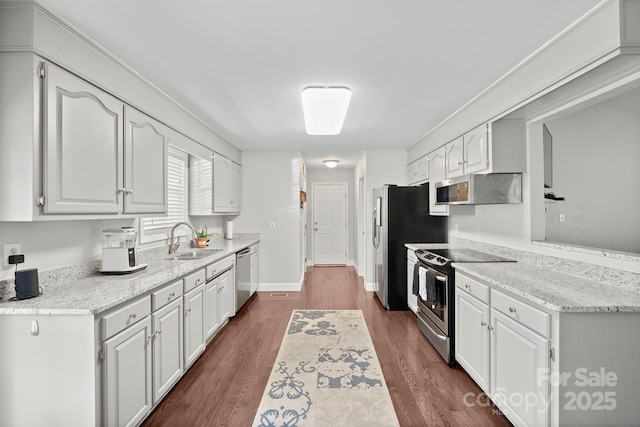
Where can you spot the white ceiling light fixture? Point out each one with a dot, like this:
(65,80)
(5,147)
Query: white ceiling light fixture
(325,109)
(331,163)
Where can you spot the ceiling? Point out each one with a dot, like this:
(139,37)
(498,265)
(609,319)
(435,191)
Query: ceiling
(240,65)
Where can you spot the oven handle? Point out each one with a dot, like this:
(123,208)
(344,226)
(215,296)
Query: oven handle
(439,336)
(439,277)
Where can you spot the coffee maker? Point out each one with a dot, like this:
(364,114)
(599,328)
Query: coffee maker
(119,251)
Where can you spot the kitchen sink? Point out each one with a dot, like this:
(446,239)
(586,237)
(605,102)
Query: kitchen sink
(203,253)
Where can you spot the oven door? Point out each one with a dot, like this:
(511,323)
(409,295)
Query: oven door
(438,314)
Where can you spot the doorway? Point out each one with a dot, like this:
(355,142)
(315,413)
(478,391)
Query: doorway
(329,223)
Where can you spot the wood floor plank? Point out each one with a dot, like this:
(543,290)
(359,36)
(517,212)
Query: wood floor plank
(225,385)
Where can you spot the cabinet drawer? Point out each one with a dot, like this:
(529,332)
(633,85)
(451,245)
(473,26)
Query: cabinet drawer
(125,316)
(193,280)
(473,287)
(164,296)
(220,266)
(529,316)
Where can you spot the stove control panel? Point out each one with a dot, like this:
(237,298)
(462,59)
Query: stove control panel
(431,258)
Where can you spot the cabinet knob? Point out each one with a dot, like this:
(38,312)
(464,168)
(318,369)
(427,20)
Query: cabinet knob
(512,310)
(172,294)
(483,323)
(122,190)
(158,332)
(490,327)
(467,286)
(128,191)
(132,316)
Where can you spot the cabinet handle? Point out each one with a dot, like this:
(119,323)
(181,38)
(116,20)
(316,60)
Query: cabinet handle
(467,286)
(490,327)
(122,190)
(158,332)
(150,337)
(483,323)
(132,316)
(172,294)
(512,310)
(197,281)
(128,191)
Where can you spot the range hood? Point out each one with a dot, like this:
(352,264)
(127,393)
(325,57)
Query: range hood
(480,189)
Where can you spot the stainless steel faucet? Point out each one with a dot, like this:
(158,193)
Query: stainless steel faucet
(173,247)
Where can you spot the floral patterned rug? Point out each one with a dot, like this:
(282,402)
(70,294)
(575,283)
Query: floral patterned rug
(326,374)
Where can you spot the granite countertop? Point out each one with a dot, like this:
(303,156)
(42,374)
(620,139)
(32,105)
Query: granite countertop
(551,289)
(96,292)
(546,287)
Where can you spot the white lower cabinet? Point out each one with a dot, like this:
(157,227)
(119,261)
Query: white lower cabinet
(127,379)
(472,337)
(412,300)
(499,342)
(194,334)
(211,298)
(519,357)
(168,347)
(227,296)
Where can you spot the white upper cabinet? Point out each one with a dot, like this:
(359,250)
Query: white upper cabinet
(83,147)
(493,147)
(145,178)
(454,158)
(100,156)
(418,171)
(436,174)
(226,185)
(214,185)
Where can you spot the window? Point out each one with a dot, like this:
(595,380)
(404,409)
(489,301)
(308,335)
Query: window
(154,229)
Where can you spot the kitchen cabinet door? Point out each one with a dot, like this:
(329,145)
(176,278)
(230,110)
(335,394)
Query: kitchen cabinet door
(476,150)
(227,296)
(167,348)
(212,312)
(472,337)
(127,375)
(193,325)
(83,146)
(145,179)
(418,171)
(412,300)
(226,185)
(200,185)
(436,174)
(518,357)
(454,158)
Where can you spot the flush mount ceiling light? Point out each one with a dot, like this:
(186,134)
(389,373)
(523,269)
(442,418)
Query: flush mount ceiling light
(331,163)
(325,109)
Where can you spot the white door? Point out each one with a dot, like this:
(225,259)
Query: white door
(193,325)
(330,223)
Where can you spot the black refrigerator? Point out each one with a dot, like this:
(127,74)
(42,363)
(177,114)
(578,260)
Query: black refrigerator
(400,215)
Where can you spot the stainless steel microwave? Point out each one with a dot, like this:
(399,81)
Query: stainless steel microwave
(480,189)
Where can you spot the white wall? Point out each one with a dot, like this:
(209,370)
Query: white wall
(271,193)
(315,176)
(382,167)
(602,188)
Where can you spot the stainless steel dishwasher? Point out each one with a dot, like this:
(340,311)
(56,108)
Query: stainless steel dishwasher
(243,278)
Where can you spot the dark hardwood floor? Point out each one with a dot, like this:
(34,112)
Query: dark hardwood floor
(224,387)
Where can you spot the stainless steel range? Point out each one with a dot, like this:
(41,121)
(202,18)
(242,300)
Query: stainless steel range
(436,308)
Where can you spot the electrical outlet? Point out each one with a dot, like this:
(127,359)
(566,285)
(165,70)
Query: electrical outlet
(561,217)
(11,249)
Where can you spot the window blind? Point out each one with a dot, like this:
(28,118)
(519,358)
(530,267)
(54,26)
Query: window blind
(176,194)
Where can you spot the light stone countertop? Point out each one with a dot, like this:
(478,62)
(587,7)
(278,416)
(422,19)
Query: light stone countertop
(547,287)
(551,289)
(97,292)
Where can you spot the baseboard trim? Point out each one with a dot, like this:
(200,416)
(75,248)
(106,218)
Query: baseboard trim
(370,287)
(279,287)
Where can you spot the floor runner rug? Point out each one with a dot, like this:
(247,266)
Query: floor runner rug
(327,373)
